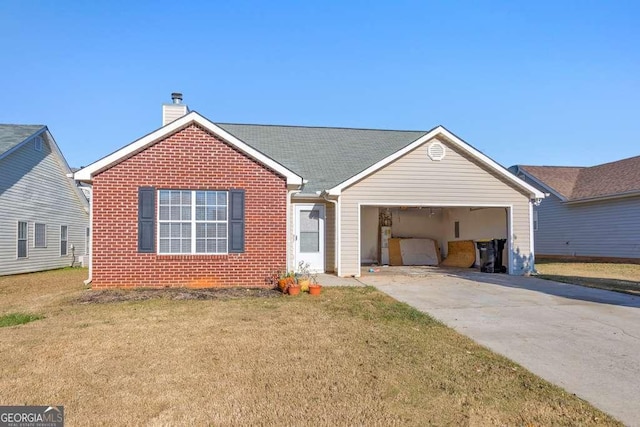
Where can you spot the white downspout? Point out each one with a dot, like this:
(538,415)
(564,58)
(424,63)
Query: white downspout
(290,241)
(90,278)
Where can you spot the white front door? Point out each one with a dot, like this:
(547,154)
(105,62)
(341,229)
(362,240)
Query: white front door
(309,236)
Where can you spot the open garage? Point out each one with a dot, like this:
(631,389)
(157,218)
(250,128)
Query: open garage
(437,188)
(420,235)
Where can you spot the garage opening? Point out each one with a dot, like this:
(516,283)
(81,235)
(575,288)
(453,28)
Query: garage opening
(424,235)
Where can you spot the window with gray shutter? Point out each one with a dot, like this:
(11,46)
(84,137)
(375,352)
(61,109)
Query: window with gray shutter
(198,222)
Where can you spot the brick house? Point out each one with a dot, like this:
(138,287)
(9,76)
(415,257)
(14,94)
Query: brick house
(200,204)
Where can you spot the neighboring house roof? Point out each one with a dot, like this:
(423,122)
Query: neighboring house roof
(559,179)
(329,159)
(572,184)
(12,135)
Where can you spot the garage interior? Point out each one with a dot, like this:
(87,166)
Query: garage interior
(383,228)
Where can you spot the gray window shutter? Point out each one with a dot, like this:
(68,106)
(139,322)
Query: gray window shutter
(146,219)
(236,221)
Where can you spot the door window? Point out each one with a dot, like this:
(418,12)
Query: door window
(309,231)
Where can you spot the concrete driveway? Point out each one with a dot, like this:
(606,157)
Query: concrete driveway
(584,340)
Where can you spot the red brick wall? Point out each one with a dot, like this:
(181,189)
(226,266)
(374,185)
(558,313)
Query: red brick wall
(191,159)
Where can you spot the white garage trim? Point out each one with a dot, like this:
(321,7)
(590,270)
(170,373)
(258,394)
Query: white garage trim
(510,240)
(532,265)
(338,242)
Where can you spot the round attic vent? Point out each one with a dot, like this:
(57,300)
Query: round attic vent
(436,151)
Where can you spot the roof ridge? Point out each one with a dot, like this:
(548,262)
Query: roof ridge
(614,161)
(321,127)
(552,166)
(18,124)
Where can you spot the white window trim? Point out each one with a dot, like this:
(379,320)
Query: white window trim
(536,224)
(67,240)
(35,233)
(193,224)
(26,239)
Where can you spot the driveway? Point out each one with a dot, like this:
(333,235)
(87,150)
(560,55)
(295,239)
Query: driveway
(584,340)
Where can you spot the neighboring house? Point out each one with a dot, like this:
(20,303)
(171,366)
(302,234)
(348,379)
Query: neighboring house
(591,212)
(44,217)
(196,203)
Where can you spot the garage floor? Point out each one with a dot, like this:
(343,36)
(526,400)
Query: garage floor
(584,340)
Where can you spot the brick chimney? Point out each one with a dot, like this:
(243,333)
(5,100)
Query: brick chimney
(175,110)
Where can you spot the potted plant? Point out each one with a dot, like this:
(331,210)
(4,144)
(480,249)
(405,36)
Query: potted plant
(285,279)
(314,287)
(293,288)
(303,275)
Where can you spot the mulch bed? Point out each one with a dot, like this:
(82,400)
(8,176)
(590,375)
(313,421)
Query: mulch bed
(119,295)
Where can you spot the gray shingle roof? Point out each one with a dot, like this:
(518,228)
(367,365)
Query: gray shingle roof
(12,135)
(324,157)
(609,179)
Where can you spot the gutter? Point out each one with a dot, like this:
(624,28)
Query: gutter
(608,197)
(290,194)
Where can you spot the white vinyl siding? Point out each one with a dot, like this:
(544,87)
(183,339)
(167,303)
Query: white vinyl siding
(87,236)
(456,180)
(23,233)
(34,188)
(40,235)
(192,222)
(172,112)
(64,239)
(609,228)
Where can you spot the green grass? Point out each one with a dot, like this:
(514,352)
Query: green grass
(14,319)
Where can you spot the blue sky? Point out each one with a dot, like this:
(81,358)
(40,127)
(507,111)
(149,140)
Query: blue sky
(536,82)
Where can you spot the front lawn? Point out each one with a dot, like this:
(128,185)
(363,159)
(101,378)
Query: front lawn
(352,356)
(612,277)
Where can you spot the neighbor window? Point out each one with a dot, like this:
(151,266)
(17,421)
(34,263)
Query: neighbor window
(64,239)
(22,239)
(40,236)
(192,222)
(456,229)
(535,220)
